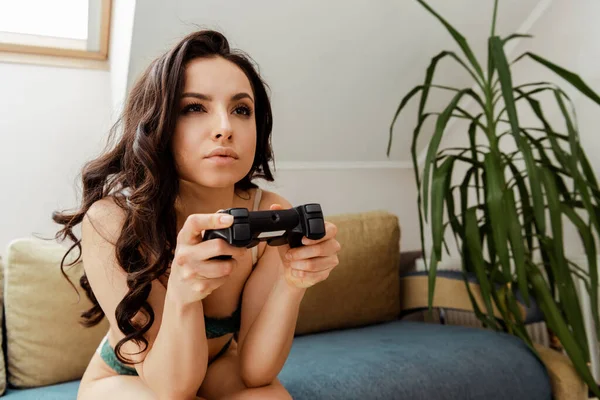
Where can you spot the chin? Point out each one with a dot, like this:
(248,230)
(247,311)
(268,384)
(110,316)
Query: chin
(220,179)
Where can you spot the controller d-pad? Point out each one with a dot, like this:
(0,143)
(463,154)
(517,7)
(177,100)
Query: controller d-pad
(312,208)
(315,226)
(241,232)
(239,212)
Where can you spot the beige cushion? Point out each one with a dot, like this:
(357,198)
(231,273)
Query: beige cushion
(2,365)
(45,342)
(564,378)
(364,287)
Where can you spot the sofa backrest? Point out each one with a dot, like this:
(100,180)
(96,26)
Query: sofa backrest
(45,343)
(364,288)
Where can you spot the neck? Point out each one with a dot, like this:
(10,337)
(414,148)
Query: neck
(195,199)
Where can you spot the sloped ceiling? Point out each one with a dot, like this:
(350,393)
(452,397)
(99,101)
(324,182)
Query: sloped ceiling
(337,69)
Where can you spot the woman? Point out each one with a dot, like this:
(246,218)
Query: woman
(196,134)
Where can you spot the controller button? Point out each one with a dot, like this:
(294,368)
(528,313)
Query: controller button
(316,226)
(239,212)
(241,232)
(313,208)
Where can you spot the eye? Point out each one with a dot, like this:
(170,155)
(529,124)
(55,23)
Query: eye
(194,107)
(243,110)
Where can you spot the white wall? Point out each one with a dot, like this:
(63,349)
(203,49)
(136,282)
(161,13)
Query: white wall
(121,31)
(337,72)
(337,69)
(351,188)
(51,120)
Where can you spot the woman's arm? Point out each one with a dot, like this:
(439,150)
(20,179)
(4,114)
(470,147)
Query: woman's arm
(269,313)
(272,298)
(174,363)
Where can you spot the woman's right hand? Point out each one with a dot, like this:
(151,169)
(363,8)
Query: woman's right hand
(193,274)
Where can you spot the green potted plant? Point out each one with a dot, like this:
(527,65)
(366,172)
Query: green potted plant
(506,204)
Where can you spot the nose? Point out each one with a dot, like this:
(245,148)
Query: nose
(223,129)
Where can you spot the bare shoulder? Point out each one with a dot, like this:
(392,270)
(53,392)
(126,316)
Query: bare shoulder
(104,218)
(269,198)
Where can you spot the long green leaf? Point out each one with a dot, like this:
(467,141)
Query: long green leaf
(547,162)
(555,321)
(462,42)
(566,288)
(588,172)
(457,229)
(582,186)
(573,134)
(403,103)
(515,36)
(434,144)
(522,95)
(567,75)
(476,257)
(472,117)
(495,201)
(526,206)
(439,186)
(473,142)
(431,71)
(517,244)
(587,238)
(432,275)
(499,295)
(414,157)
(506,83)
(577,154)
(494,18)
(519,325)
(464,205)
(567,161)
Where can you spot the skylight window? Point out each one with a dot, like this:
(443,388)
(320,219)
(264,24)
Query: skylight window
(67,28)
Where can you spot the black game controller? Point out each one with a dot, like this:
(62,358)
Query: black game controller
(276,227)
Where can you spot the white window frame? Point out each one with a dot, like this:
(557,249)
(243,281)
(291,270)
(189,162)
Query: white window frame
(53,55)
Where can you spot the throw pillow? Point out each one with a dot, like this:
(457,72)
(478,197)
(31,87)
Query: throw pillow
(364,288)
(2,363)
(45,342)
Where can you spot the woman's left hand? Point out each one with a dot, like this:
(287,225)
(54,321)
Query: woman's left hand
(311,263)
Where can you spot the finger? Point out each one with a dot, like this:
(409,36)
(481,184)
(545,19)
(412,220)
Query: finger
(190,255)
(330,232)
(325,248)
(209,269)
(315,264)
(276,207)
(195,224)
(311,277)
(218,247)
(208,285)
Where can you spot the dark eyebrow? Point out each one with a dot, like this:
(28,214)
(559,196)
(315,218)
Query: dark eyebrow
(242,95)
(201,96)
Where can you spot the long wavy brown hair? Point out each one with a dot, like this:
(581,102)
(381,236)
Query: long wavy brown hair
(138,159)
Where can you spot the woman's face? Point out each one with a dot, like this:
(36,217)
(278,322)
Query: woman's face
(215,134)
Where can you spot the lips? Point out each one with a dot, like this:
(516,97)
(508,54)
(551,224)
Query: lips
(223,152)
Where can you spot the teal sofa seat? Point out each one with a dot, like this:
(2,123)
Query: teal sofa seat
(395,360)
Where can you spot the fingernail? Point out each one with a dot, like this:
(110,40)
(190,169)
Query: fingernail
(288,256)
(226,218)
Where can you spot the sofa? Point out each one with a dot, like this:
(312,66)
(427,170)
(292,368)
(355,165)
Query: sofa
(356,336)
